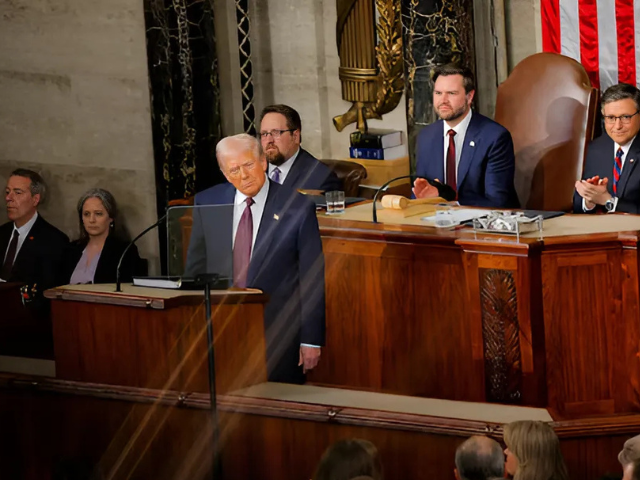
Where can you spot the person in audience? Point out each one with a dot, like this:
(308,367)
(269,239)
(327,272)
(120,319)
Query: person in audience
(276,248)
(479,458)
(31,247)
(94,256)
(349,459)
(533,452)
(289,164)
(610,181)
(468,151)
(629,454)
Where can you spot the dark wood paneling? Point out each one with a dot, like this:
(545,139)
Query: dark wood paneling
(160,349)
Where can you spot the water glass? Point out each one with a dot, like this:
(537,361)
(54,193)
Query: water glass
(335,202)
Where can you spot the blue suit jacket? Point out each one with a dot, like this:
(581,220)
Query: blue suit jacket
(486,169)
(308,173)
(600,160)
(287,264)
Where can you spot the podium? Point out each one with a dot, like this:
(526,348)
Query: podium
(156,338)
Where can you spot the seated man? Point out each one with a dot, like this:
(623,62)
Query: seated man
(610,181)
(289,164)
(31,248)
(479,458)
(466,150)
(276,248)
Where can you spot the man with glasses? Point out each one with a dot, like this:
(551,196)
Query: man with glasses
(276,248)
(289,164)
(610,181)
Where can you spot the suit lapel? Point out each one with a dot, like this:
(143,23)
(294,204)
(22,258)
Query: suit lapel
(468,151)
(630,162)
(27,250)
(268,222)
(5,237)
(438,172)
(295,172)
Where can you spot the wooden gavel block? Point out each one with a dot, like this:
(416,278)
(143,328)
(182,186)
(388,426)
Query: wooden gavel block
(398,202)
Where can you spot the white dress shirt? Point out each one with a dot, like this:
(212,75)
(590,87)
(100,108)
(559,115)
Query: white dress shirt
(625,149)
(285,168)
(257,209)
(23,231)
(458,140)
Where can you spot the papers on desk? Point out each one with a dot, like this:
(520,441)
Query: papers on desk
(458,215)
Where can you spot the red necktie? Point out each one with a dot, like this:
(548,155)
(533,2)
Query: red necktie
(242,246)
(617,170)
(5,273)
(451,162)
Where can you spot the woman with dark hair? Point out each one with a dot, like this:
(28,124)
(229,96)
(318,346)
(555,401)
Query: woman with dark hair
(349,459)
(93,258)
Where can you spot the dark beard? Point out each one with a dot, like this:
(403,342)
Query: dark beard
(276,159)
(454,115)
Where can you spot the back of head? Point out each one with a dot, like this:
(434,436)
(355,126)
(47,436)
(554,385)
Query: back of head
(630,451)
(537,449)
(479,458)
(349,459)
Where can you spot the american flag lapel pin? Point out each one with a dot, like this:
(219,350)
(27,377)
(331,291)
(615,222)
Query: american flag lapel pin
(631,160)
(472,143)
(276,217)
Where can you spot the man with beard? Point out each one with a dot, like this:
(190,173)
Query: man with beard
(290,165)
(466,150)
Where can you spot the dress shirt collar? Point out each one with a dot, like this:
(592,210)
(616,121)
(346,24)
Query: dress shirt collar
(23,231)
(285,167)
(461,128)
(260,198)
(625,148)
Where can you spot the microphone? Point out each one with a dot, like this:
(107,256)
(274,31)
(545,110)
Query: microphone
(444,191)
(131,243)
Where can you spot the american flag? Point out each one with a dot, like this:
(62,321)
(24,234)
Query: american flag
(603,35)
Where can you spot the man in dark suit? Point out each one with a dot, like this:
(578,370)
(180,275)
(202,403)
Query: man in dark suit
(464,149)
(610,180)
(276,248)
(289,164)
(31,248)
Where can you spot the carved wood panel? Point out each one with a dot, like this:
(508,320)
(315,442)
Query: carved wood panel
(501,336)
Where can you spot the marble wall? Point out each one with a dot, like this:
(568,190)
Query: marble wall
(74,105)
(295,61)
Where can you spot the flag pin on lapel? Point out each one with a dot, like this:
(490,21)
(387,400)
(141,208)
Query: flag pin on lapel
(276,217)
(472,143)
(631,160)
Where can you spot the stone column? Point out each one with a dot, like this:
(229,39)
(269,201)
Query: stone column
(435,32)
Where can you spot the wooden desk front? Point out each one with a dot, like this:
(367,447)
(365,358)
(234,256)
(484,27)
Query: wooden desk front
(550,322)
(154,338)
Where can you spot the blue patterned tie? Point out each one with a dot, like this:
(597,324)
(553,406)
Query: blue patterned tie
(275,175)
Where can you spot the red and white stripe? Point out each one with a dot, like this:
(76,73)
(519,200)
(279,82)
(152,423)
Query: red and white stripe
(600,34)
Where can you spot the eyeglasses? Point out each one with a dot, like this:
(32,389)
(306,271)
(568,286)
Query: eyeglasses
(624,119)
(235,171)
(276,133)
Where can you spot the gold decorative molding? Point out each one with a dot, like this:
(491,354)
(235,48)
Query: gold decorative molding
(371,74)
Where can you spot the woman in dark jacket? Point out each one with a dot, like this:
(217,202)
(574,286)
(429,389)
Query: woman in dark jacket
(93,258)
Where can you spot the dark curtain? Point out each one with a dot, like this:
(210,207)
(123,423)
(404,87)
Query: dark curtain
(434,32)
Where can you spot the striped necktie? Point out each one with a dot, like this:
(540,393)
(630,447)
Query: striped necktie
(617,170)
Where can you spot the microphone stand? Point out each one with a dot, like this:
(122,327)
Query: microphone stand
(444,191)
(118,283)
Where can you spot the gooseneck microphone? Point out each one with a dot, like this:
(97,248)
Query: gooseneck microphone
(131,243)
(444,191)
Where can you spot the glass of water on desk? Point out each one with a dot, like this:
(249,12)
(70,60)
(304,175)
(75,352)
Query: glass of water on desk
(335,202)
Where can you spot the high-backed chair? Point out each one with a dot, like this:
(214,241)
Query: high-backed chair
(351,175)
(549,106)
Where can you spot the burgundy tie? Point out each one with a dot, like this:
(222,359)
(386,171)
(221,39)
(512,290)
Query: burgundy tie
(451,162)
(11,253)
(242,246)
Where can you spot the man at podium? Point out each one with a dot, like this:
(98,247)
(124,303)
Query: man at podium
(276,248)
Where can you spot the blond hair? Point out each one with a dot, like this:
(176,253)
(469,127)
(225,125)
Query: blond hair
(537,449)
(241,142)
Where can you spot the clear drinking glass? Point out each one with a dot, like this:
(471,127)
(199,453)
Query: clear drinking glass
(335,202)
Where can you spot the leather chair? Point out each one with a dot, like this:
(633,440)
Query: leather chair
(549,106)
(351,174)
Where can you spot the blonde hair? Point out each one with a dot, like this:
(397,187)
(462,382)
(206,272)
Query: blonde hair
(537,449)
(348,459)
(242,142)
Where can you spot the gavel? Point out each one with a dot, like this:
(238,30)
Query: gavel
(398,202)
